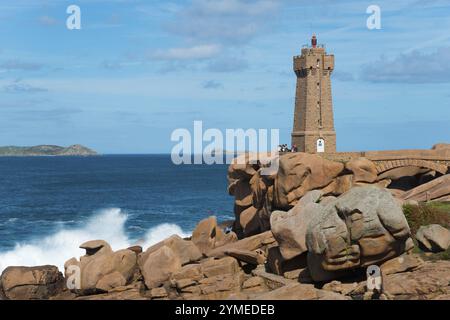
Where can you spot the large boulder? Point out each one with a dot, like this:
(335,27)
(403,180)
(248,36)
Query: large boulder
(242,194)
(364,170)
(251,257)
(209,279)
(339,185)
(433,237)
(134,291)
(254,285)
(441,146)
(339,287)
(426,281)
(403,263)
(430,281)
(262,196)
(186,250)
(250,181)
(204,234)
(219,287)
(437,189)
(242,167)
(364,226)
(101,269)
(215,267)
(277,264)
(253,243)
(190,272)
(208,235)
(95,247)
(31,283)
(246,165)
(240,171)
(403,173)
(300,291)
(158,266)
(299,173)
(289,228)
(249,222)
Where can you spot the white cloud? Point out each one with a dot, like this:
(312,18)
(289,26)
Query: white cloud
(413,67)
(188,53)
(224,21)
(213,28)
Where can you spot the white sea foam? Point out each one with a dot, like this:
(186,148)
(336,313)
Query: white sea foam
(108,225)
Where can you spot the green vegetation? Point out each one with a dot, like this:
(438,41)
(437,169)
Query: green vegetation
(425,214)
(445,255)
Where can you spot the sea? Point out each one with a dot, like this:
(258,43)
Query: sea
(51,205)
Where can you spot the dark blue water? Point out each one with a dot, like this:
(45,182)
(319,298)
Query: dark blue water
(39,195)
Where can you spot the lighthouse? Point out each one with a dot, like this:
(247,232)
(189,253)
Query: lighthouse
(313,129)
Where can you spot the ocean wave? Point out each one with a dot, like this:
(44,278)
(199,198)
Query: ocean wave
(107,224)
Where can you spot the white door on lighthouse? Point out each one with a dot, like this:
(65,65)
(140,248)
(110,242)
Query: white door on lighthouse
(320,145)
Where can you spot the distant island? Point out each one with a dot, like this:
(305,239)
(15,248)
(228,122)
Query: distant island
(46,150)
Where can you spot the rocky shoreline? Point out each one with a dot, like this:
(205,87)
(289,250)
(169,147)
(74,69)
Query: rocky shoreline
(307,231)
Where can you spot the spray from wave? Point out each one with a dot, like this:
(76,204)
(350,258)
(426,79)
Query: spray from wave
(108,225)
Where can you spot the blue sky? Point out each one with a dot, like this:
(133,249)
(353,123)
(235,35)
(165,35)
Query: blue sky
(137,70)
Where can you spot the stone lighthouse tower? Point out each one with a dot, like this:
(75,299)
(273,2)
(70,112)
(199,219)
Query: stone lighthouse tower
(313,129)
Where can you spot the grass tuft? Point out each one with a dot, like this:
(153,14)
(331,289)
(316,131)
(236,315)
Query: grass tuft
(427,213)
(423,215)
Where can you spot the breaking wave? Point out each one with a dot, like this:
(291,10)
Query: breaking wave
(108,225)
